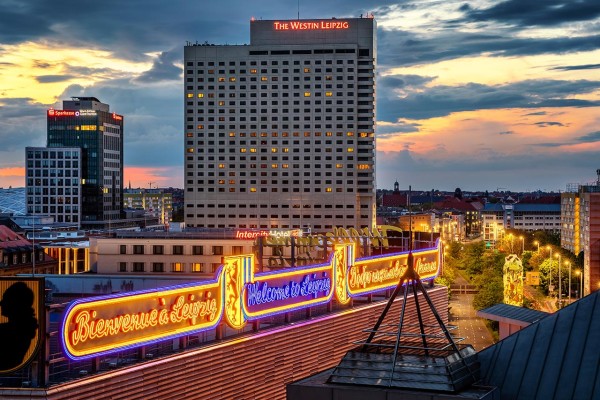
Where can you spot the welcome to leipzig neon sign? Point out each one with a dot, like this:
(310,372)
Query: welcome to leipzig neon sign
(102,325)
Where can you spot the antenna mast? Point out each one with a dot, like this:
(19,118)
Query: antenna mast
(298,9)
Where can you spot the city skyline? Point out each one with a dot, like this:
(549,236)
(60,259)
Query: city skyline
(479,96)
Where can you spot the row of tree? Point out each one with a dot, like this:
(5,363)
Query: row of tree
(482,265)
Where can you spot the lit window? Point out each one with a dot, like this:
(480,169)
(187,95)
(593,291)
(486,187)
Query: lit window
(339,165)
(190,150)
(328,94)
(200,126)
(232,79)
(328,190)
(306,94)
(285,150)
(350,150)
(177,267)
(221,181)
(273,150)
(263,78)
(253,150)
(284,165)
(221,165)
(252,190)
(232,182)
(200,95)
(274,165)
(221,103)
(221,79)
(231,134)
(190,95)
(350,134)
(242,150)
(253,71)
(197,267)
(364,166)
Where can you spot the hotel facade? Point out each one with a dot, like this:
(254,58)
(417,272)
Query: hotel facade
(279,134)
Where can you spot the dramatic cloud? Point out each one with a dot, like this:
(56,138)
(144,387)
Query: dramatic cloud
(462,86)
(538,13)
(429,102)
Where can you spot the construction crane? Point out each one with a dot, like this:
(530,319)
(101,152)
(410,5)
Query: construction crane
(150,183)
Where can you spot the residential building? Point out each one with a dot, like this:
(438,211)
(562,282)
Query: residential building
(279,134)
(498,217)
(580,229)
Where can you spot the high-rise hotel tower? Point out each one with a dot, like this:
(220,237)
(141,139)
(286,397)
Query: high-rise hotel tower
(279,134)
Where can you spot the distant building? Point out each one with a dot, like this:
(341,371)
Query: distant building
(498,217)
(78,177)
(155,202)
(580,229)
(19,256)
(54,183)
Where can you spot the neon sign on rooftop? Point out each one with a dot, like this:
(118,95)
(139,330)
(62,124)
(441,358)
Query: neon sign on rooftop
(101,325)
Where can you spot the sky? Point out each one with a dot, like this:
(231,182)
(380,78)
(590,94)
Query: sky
(481,95)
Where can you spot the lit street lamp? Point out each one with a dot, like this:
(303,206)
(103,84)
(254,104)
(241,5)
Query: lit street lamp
(522,244)
(559,281)
(538,245)
(569,264)
(551,262)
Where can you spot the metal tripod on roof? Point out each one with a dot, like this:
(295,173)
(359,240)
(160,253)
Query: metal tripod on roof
(412,356)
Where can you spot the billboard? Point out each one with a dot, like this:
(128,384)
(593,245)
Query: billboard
(21,321)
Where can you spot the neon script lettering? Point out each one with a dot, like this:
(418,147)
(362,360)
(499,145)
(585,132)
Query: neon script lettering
(88,326)
(362,277)
(262,293)
(313,25)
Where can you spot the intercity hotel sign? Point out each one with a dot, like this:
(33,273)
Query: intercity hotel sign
(238,294)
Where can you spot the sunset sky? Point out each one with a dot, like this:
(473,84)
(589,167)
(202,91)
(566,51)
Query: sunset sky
(479,95)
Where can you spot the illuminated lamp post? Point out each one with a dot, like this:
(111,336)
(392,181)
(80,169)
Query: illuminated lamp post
(550,278)
(559,281)
(538,245)
(569,264)
(522,245)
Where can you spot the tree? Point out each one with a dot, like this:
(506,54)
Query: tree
(458,193)
(490,293)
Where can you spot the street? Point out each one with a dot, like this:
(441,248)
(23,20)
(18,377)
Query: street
(470,327)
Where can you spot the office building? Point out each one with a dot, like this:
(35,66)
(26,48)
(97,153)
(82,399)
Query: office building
(54,183)
(279,134)
(92,136)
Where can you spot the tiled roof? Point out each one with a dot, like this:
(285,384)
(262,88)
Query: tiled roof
(9,239)
(555,358)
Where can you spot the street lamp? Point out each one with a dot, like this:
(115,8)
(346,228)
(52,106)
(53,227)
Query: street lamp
(569,264)
(551,262)
(578,273)
(522,244)
(559,280)
(538,245)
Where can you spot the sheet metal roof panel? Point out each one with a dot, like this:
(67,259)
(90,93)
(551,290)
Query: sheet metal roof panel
(519,315)
(558,357)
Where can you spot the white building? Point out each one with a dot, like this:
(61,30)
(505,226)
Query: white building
(54,183)
(280,133)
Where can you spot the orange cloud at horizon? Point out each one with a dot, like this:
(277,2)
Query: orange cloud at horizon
(143,177)
(477,134)
(12,176)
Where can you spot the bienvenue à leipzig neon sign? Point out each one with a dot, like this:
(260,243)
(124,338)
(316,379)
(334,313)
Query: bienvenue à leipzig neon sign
(107,324)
